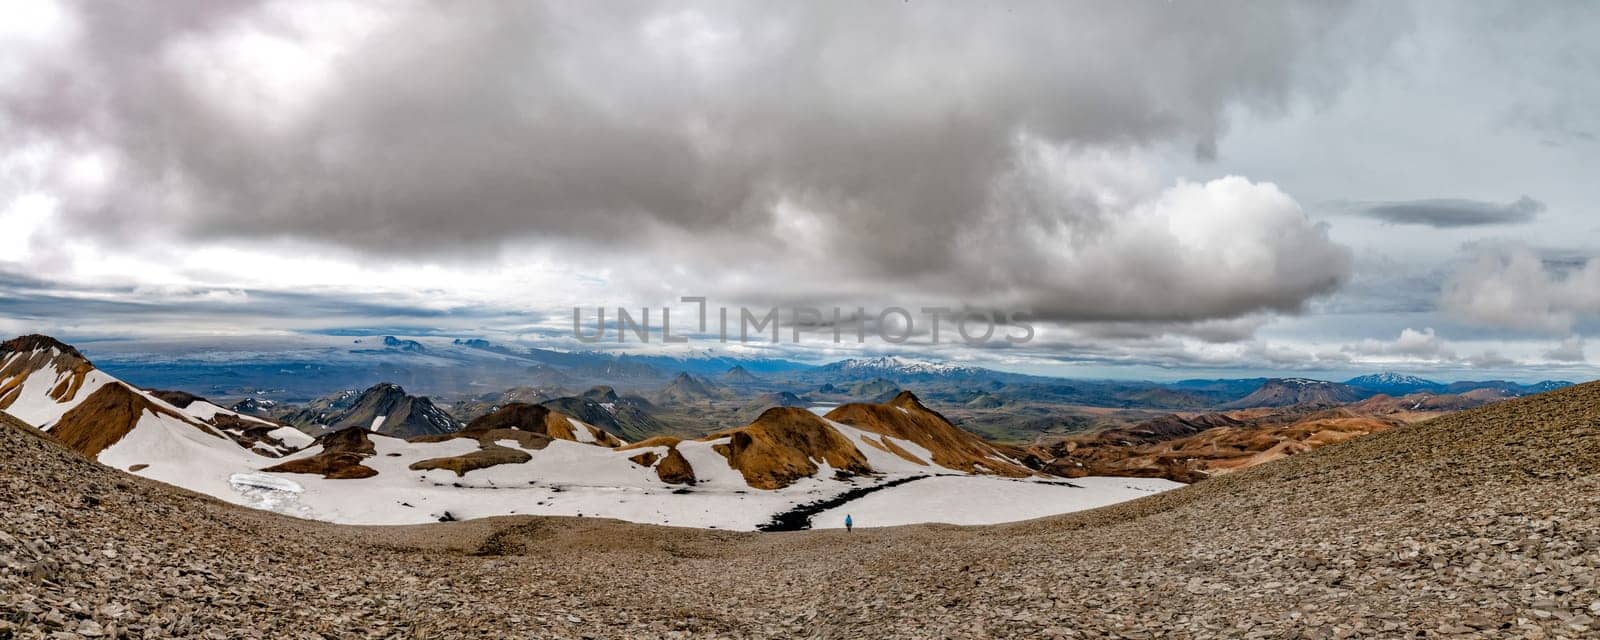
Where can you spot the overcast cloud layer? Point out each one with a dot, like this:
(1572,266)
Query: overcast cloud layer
(1097,164)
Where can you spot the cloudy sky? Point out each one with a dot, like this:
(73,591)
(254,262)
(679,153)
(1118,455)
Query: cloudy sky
(1164,188)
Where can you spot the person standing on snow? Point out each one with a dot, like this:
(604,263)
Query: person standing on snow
(848,523)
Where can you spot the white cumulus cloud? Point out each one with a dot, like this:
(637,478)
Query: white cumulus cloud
(1516,289)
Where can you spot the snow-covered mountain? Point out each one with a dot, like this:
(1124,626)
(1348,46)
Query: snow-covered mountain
(896,369)
(1507,388)
(174,438)
(629,417)
(1546,386)
(255,407)
(1394,384)
(387,409)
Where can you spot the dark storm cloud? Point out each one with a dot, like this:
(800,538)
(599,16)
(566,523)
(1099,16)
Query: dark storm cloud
(1450,212)
(906,137)
(30,299)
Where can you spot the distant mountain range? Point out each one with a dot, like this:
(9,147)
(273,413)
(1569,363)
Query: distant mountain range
(1396,384)
(900,370)
(460,368)
(305,368)
(1288,392)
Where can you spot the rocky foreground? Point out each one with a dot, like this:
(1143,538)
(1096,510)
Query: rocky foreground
(1481,524)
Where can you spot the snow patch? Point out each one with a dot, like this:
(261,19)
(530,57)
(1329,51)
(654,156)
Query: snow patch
(974,500)
(179,453)
(292,437)
(203,410)
(581,431)
(34,405)
(887,461)
(711,469)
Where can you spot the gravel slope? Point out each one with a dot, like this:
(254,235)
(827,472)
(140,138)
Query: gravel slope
(1484,523)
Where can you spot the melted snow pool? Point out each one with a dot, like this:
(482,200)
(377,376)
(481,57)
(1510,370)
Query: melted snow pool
(268,493)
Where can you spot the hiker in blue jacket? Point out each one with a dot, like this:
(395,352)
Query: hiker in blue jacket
(848,523)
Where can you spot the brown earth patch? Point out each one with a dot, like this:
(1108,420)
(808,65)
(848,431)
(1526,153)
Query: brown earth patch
(249,433)
(558,427)
(39,342)
(106,416)
(539,419)
(906,418)
(488,456)
(179,399)
(674,469)
(1247,440)
(645,459)
(67,388)
(658,441)
(340,458)
(488,433)
(782,445)
(600,436)
(524,439)
(514,415)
